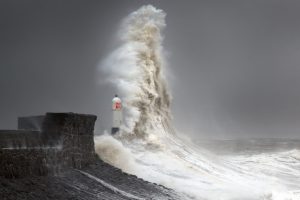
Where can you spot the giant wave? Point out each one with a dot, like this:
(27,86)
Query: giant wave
(148,145)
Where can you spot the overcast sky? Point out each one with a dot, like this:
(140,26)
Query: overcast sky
(234,65)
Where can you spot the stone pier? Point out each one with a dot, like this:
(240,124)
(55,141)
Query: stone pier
(47,144)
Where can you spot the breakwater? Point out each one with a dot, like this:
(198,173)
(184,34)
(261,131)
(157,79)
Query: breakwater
(48,144)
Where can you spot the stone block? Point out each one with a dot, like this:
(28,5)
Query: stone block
(65,141)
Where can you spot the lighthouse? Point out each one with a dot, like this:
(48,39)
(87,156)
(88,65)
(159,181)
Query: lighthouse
(117,114)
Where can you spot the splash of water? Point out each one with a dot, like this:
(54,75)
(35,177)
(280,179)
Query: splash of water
(115,153)
(137,68)
(149,142)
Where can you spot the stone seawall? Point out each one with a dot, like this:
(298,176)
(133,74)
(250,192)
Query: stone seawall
(17,163)
(65,141)
(20,139)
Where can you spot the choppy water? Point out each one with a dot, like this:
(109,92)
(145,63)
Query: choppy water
(149,146)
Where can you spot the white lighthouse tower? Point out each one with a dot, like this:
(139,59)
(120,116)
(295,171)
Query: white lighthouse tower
(117,114)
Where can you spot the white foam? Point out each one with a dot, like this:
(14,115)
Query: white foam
(114,152)
(148,145)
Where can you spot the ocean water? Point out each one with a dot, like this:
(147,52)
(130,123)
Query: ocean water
(149,146)
(202,174)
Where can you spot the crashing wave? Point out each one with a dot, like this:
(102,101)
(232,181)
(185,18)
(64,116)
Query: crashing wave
(148,142)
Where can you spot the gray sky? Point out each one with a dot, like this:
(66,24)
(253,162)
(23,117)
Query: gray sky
(234,64)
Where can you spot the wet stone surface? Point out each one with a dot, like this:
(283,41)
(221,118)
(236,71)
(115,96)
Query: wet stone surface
(65,141)
(74,184)
(59,163)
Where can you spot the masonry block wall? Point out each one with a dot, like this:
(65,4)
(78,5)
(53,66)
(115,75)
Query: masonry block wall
(66,140)
(74,134)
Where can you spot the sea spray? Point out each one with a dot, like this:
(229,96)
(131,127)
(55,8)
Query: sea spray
(137,69)
(148,146)
(114,152)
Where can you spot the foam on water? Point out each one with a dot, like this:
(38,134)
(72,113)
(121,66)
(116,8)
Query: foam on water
(148,145)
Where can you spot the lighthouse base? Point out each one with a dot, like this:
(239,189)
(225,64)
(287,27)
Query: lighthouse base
(114,130)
